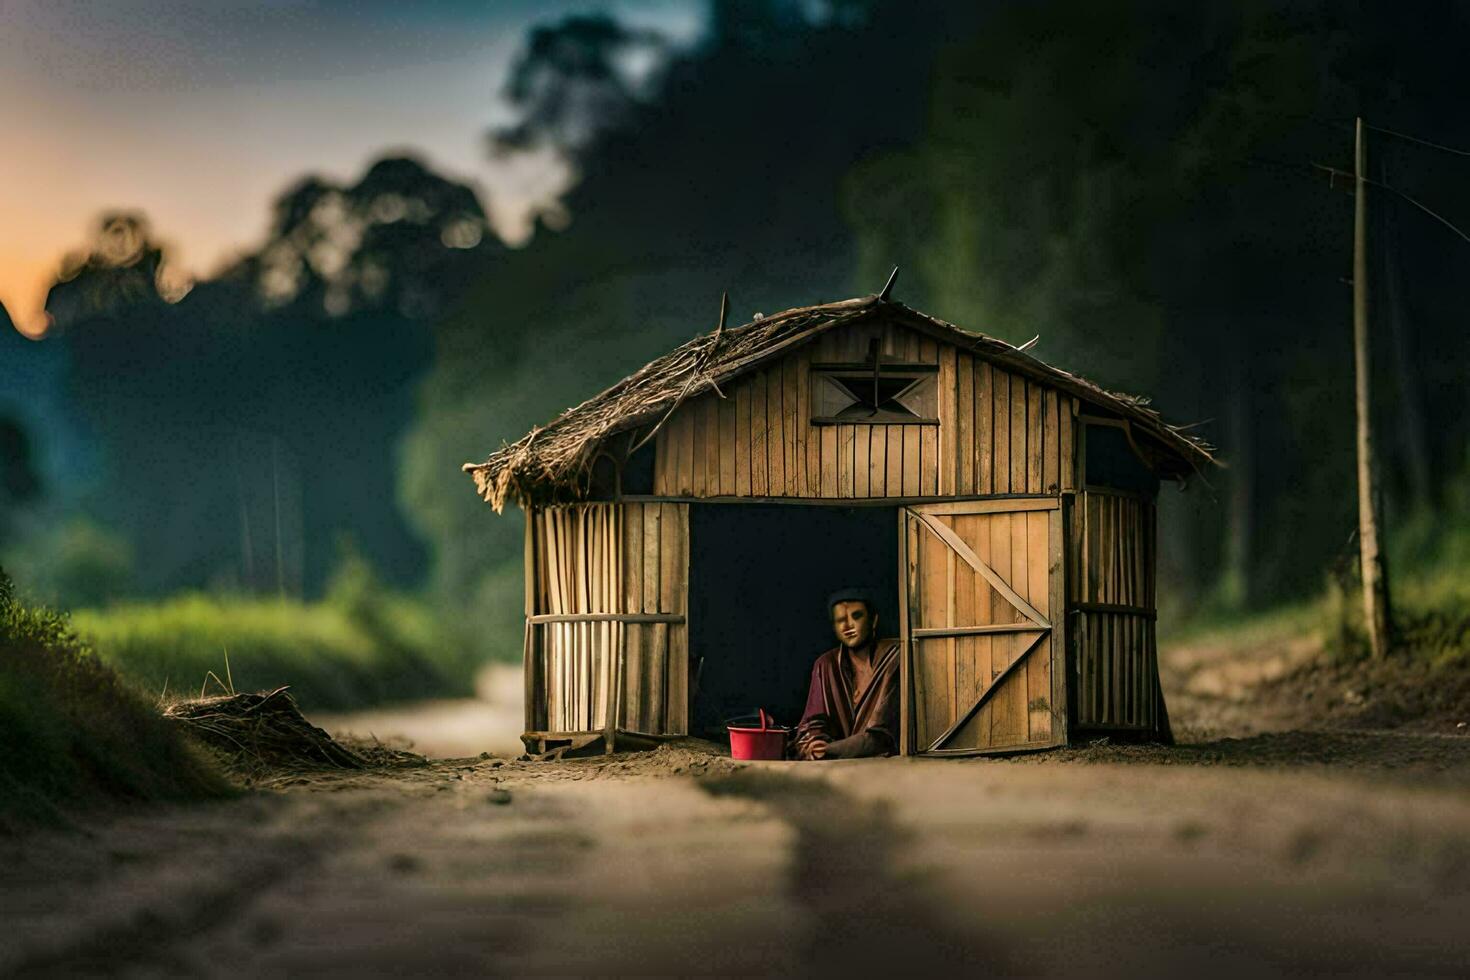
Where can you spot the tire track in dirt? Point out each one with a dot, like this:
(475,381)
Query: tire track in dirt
(867,913)
(156,882)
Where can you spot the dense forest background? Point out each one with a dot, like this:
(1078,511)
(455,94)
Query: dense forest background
(1135,182)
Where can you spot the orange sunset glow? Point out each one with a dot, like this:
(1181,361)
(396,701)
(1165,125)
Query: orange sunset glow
(198,117)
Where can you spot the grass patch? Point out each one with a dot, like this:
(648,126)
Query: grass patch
(73,732)
(1430,592)
(330,658)
(364,644)
(1431,618)
(1235,632)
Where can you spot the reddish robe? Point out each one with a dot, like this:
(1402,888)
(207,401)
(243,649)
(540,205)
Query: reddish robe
(852,722)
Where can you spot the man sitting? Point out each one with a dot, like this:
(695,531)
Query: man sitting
(852,707)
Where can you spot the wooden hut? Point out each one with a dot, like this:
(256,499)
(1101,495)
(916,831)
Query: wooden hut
(683,527)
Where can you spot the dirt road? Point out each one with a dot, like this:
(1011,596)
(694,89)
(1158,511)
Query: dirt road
(682,862)
(1275,854)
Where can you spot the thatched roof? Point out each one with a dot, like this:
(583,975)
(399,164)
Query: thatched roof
(552,460)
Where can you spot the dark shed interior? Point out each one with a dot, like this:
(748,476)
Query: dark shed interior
(759,576)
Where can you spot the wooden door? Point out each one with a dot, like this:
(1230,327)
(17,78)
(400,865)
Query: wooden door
(982,669)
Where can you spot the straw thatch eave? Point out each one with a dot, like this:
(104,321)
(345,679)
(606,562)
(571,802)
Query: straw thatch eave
(552,462)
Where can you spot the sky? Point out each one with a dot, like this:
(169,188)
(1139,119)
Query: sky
(199,114)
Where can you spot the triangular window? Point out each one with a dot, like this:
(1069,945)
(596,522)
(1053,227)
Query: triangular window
(881,389)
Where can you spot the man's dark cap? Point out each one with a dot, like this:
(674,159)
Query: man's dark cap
(866,596)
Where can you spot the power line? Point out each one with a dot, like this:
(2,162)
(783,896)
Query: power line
(1415,139)
(1388,187)
(1303,169)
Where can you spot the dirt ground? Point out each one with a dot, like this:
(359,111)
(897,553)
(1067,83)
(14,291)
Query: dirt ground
(1272,853)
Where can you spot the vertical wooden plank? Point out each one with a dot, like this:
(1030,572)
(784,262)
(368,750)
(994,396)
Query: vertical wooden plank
(1136,658)
(530,651)
(668,556)
(683,421)
(775,431)
(1019,449)
(1135,647)
(1020,580)
(678,453)
(713,445)
(1114,673)
(965,680)
(1087,585)
(549,660)
(1000,396)
(906,547)
(927,352)
(951,688)
(813,445)
(1035,450)
(846,459)
(911,459)
(1125,551)
(984,430)
(678,696)
(1117,549)
(1153,557)
(933,692)
(861,462)
(742,437)
(877,460)
(1050,462)
(801,371)
(1066,412)
(632,558)
(532,579)
(759,486)
(694,410)
(1110,550)
(949,390)
(1038,669)
(661,478)
(729,449)
(1061,678)
(792,421)
(893,478)
(986,652)
(651,695)
(829,461)
(929,462)
(1001,611)
(964,424)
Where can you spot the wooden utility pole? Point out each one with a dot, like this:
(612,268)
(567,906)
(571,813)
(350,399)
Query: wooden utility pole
(1376,611)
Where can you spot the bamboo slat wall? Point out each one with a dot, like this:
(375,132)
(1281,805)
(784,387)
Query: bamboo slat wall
(609,559)
(1113,587)
(655,580)
(577,572)
(950,673)
(998,433)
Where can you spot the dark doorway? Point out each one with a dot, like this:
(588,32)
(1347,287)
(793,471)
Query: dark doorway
(759,575)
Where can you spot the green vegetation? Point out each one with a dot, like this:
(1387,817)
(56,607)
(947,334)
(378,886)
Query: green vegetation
(74,732)
(1429,567)
(363,645)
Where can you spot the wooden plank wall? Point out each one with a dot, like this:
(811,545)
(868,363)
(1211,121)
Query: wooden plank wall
(656,580)
(609,558)
(1113,550)
(950,673)
(998,433)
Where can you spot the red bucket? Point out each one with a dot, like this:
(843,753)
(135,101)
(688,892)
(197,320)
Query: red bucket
(765,742)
